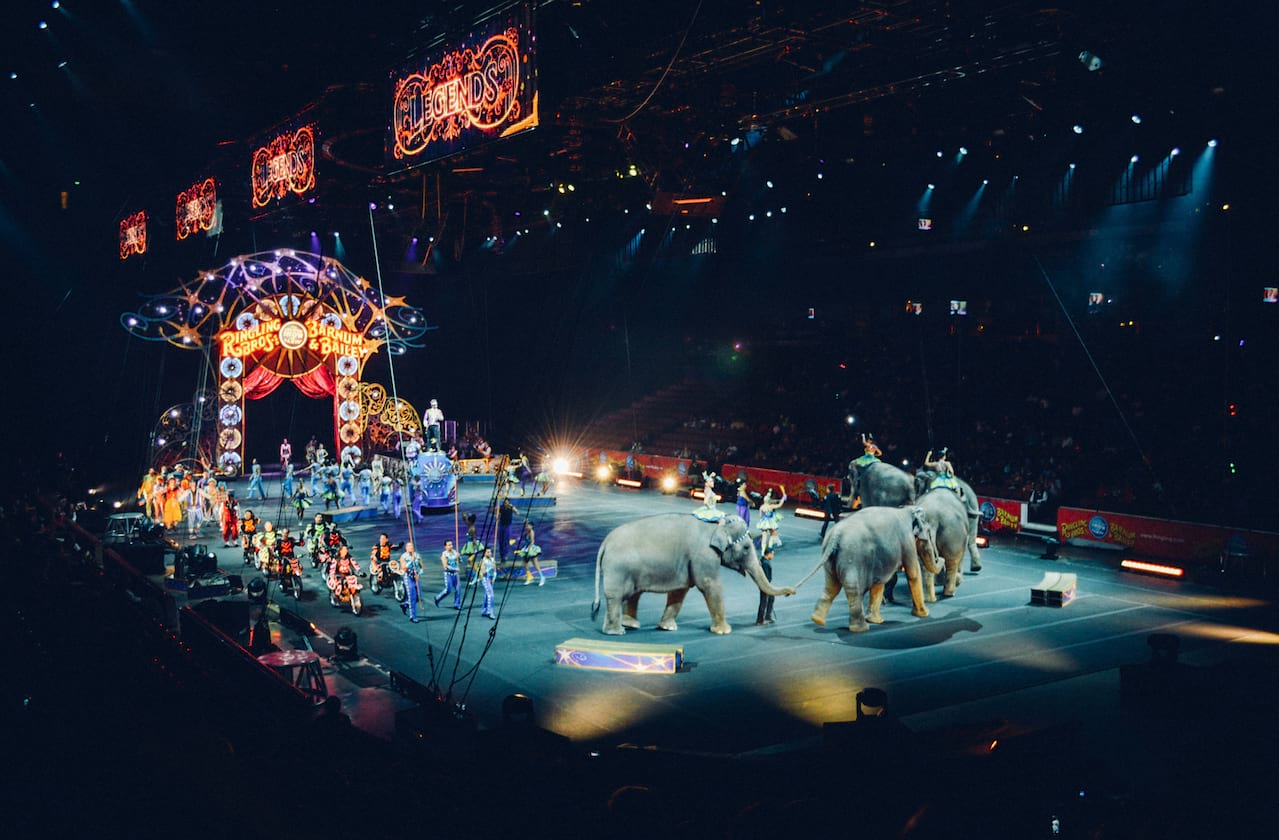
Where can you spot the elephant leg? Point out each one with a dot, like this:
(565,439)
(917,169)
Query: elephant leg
(876,599)
(856,613)
(974,556)
(714,595)
(613,615)
(674,600)
(929,586)
(824,602)
(954,577)
(630,610)
(917,596)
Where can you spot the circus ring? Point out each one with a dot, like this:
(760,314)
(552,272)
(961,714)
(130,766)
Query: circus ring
(281,315)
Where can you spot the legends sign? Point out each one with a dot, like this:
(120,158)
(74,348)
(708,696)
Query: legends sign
(285,164)
(484,88)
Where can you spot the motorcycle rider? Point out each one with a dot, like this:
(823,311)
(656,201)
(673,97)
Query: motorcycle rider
(264,542)
(230,520)
(380,555)
(341,567)
(248,531)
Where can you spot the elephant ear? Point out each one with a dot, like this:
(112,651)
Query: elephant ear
(922,479)
(728,531)
(919,525)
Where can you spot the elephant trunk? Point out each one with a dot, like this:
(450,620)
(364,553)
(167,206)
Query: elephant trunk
(927,550)
(756,572)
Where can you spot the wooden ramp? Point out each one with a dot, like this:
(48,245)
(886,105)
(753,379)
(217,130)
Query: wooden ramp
(629,657)
(1057,589)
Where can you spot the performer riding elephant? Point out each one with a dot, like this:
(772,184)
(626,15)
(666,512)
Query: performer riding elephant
(927,479)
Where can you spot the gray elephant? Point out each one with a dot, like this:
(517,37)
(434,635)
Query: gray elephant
(923,482)
(948,517)
(863,551)
(880,485)
(671,553)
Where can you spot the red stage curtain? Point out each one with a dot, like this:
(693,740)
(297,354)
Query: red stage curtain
(318,383)
(260,383)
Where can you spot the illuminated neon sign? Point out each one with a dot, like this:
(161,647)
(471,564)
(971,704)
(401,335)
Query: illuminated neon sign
(196,207)
(284,165)
(483,89)
(266,336)
(133,235)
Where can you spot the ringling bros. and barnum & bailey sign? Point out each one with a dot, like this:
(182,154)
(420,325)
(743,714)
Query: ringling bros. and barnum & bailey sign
(282,315)
(482,87)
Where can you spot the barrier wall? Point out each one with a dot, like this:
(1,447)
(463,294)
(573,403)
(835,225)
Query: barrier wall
(1161,538)
(1001,515)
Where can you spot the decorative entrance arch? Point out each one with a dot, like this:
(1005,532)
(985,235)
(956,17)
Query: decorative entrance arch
(280,315)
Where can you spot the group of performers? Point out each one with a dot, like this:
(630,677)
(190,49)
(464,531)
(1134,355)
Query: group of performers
(172,497)
(768,509)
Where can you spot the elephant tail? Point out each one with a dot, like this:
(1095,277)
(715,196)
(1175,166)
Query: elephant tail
(814,571)
(599,561)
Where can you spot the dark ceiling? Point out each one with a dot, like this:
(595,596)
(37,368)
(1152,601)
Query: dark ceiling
(153,94)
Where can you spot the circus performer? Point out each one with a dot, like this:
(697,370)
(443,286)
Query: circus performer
(433,420)
(366,486)
(768,521)
(412,448)
(707,512)
(448,560)
(488,573)
(301,501)
(871,453)
(945,470)
(287,485)
(194,506)
(411,566)
(330,493)
(172,510)
(417,495)
(248,530)
(529,551)
(286,454)
(346,484)
(743,501)
(397,498)
(255,481)
(230,520)
(144,491)
(384,495)
(321,455)
(470,553)
(317,477)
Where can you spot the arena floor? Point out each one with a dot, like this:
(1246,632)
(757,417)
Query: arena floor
(986,663)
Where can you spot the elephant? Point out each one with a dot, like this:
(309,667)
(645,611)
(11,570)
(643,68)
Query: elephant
(924,478)
(863,551)
(670,553)
(880,485)
(947,515)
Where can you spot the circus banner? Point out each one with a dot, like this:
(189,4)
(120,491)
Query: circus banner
(133,234)
(1000,514)
(478,88)
(283,165)
(1160,538)
(196,208)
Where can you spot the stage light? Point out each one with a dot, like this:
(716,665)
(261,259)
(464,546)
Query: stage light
(632,171)
(630,482)
(1077,128)
(939,153)
(13,75)
(984,182)
(1092,62)
(1175,151)
(390,207)
(571,188)
(769,184)
(603,472)
(1152,568)
(559,465)
(809,513)
(546,212)
(133,322)
(751,217)
(55,5)
(715,220)
(669,484)
(819,176)
(932,186)
(1133,159)
(648,205)
(769,214)
(1212,144)
(850,419)
(1136,119)
(982,542)
(336,233)
(1072,166)
(346,645)
(561,189)
(963,150)
(43,24)
(735,141)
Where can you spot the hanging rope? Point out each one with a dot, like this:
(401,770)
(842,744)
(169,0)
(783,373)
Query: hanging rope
(669,65)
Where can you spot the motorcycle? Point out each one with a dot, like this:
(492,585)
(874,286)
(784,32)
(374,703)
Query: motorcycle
(388,575)
(345,589)
(291,577)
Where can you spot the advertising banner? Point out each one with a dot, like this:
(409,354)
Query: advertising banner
(1161,538)
(999,515)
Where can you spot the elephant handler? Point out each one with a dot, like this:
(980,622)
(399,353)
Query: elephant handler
(765,615)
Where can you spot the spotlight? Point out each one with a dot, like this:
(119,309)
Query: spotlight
(1136,119)
(346,645)
(560,465)
(630,482)
(1133,159)
(769,184)
(963,150)
(1175,151)
(1072,166)
(43,24)
(603,473)
(13,74)
(1152,568)
(1078,129)
(1212,144)
(256,590)
(850,419)
(1092,62)
(669,484)
(932,186)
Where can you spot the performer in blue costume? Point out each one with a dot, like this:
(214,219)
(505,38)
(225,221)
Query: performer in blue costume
(707,511)
(488,573)
(411,565)
(255,481)
(768,521)
(287,485)
(366,486)
(945,471)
